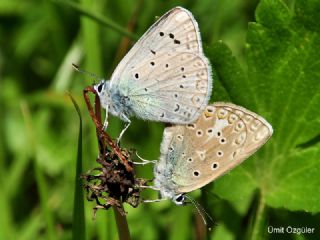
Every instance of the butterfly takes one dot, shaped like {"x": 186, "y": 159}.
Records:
{"x": 165, "y": 76}
{"x": 195, "y": 154}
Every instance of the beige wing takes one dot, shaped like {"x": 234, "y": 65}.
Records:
{"x": 223, "y": 137}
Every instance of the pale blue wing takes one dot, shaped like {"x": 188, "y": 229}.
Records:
{"x": 165, "y": 75}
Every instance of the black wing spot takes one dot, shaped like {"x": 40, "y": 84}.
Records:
{"x": 152, "y": 63}
{"x": 182, "y": 69}
{"x": 196, "y": 173}
{"x": 161, "y": 34}
{"x": 171, "y": 35}
{"x": 181, "y": 86}
{"x": 167, "y": 65}
{"x": 199, "y": 133}
{"x": 176, "y": 41}
{"x": 146, "y": 89}
{"x": 177, "y": 108}
{"x": 215, "y": 166}
{"x": 153, "y": 52}
{"x": 184, "y": 76}
{"x": 136, "y": 75}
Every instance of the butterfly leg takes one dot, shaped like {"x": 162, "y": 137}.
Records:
{"x": 155, "y": 200}
{"x": 105, "y": 124}
{"x": 144, "y": 161}
{"x": 150, "y": 187}
{"x": 128, "y": 122}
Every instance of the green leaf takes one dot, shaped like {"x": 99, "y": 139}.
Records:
{"x": 281, "y": 82}
{"x": 78, "y": 207}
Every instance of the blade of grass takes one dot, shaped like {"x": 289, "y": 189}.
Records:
{"x": 98, "y": 18}
{"x": 40, "y": 178}
{"x": 31, "y": 227}
{"x": 78, "y": 229}
{"x": 6, "y": 225}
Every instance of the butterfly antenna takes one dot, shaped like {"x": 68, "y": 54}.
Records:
{"x": 201, "y": 210}
{"x": 92, "y": 75}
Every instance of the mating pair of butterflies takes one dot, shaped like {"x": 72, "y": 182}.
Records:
{"x": 166, "y": 77}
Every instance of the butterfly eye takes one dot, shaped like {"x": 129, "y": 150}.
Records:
{"x": 100, "y": 87}
{"x": 179, "y": 199}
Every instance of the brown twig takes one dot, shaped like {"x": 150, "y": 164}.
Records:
{"x": 111, "y": 172}
{"x": 99, "y": 125}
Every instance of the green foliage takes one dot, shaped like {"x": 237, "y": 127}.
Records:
{"x": 78, "y": 205}
{"x": 267, "y": 61}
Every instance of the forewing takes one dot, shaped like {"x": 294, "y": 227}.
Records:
{"x": 223, "y": 137}
{"x": 177, "y": 24}
{"x": 165, "y": 69}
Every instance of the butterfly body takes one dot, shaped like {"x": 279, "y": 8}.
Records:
{"x": 195, "y": 154}
{"x": 165, "y": 77}
{"x": 117, "y": 103}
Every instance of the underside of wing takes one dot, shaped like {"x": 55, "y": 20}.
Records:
{"x": 175, "y": 31}
{"x": 172, "y": 87}
{"x": 225, "y": 135}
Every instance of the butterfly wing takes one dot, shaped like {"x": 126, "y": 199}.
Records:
{"x": 165, "y": 75}
{"x": 223, "y": 137}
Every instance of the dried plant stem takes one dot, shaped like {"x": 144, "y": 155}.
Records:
{"x": 121, "y": 221}
{"x": 122, "y": 225}
{"x": 99, "y": 126}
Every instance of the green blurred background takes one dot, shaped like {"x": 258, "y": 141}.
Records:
{"x": 39, "y": 40}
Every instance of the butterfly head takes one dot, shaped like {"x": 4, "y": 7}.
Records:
{"x": 102, "y": 89}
